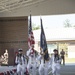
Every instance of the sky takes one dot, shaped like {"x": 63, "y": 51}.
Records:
{"x": 54, "y": 21}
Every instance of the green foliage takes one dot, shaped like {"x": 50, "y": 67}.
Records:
{"x": 63, "y": 46}
{"x": 35, "y": 27}
{"x": 74, "y": 26}
{"x": 67, "y": 23}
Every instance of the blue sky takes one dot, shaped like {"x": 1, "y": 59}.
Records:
{"x": 54, "y": 21}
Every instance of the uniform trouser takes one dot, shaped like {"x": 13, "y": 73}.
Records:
{"x": 63, "y": 59}
{"x": 21, "y": 69}
{"x": 32, "y": 69}
{"x": 43, "y": 70}
{"x": 56, "y": 70}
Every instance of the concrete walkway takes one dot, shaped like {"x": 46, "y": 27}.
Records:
{"x": 6, "y": 68}
{"x": 68, "y": 69}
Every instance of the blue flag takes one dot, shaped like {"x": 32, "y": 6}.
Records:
{"x": 43, "y": 43}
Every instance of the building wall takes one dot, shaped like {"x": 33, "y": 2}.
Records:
{"x": 67, "y": 45}
{"x": 13, "y": 35}
{"x": 71, "y": 50}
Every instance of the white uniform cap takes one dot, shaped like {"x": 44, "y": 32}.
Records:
{"x": 20, "y": 49}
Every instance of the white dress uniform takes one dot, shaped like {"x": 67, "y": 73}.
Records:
{"x": 43, "y": 68}
{"x": 55, "y": 64}
{"x": 31, "y": 67}
{"x": 21, "y": 64}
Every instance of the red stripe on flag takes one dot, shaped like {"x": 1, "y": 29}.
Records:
{"x": 31, "y": 41}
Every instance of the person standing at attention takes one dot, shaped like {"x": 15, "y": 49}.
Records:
{"x": 62, "y": 53}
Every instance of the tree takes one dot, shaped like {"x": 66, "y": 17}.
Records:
{"x": 74, "y": 26}
{"x": 35, "y": 27}
{"x": 67, "y": 23}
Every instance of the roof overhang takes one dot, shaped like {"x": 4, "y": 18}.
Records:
{"x": 36, "y": 7}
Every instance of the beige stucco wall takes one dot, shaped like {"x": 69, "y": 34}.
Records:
{"x": 13, "y": 35}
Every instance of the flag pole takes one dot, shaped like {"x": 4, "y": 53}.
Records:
{"x": 43, "y": 43}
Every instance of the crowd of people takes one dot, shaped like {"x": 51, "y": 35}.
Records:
{"x": 33, "y": 63}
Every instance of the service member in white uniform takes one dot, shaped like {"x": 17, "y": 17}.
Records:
{"x": 55, "y": 63}
{"x": 44, "y": 64}
{"x": 31, "y": 67}
{"x": 21, "y": 62}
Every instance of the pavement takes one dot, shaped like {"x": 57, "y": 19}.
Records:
{"x": 68, "y": 69}
{"x": 6, "y": 68}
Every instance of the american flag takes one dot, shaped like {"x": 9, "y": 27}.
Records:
{"x": 31, "y": 41}
{"x": 43, "y": 43}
